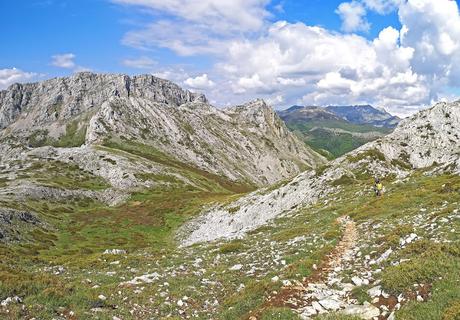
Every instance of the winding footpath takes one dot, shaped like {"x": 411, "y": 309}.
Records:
{"x": 324, "y": 291}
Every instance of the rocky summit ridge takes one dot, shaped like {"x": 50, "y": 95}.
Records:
{"x": 365, "y": 114}
{"x": 24, "y": 106}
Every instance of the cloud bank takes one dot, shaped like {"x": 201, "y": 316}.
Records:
{"x": 10, "y": 76}
{"x": 290, "y": 63}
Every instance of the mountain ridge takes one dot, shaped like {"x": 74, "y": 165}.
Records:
{"x": 72, "y": 118}
{"x": 365, "y": 114}
{"x": 66, "y": 97}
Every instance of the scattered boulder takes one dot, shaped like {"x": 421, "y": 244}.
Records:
{"x": 375, "y": 291}
{"x": 10, "y": 300}
{"x": 366, "y": 311}
{"x": 357, "y": 281}
{"x": 114, "y": 251}
{"x": 15, "y": 223}
{"x": 146, "y": 278}
{"x": 410, "y": 238}
{"x": 330, "y": 304}
{"x": 236, "y": 267}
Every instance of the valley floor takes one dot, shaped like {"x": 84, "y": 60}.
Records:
{"x": 399, "y": 257}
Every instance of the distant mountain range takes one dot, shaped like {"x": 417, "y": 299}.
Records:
{"x": 336, "y": 130}
{"x": 365, "y": 114}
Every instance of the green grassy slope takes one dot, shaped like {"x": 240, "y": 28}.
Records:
{"x": 144, "y": 227}
{"x": 76, "y": 232}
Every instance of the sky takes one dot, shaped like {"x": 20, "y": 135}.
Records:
{"x": 401, "y": 55}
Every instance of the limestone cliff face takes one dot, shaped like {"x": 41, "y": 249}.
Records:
{"x": 430, "y": 137}
{"x": 247, "y": 143}
{"x": 53, "y": 102}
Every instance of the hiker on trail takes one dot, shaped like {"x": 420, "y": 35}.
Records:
{"x": 378, "y": 187}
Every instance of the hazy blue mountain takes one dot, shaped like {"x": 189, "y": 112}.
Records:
{"x": 365, "y": 114}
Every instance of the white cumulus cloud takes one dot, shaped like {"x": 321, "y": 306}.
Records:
{"x": 223, "y": 16}
{"x": 65, "y": 60}
{"x": 179, "y": 36}
{"x": 140, "y": 63}
{"x": 314, "y": 66}
{"x": 196, "y": 26}
{"x": 433, "y": 30}
{"x": 353, "y": 15}
{"x": 382, "y": 6}
{"x": 200, "y": 82}
{"x": 13, "y": 75}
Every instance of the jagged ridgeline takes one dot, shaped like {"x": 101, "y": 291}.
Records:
{"x": 248, "y": 143}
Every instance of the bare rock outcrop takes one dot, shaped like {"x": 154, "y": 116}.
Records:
{"x": 15, "y": 223}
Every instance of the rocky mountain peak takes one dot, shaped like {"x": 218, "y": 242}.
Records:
{"x": 429, "y": 137}
{"x": 260, "y": 115}
{"x": 59, "y": 99}
{"x": 247, "y": 143}
{"x": 257, "y": 105}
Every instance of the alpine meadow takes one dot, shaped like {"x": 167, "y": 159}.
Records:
{"x": 230, "y": 160}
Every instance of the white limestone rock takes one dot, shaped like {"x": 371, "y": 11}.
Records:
{"x": 330, "y": 304}
{"x": 366, "y": 312}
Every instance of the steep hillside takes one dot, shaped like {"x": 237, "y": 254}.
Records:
{"x": 428, "y": 139}
{"x": 365, "y": 114}
{"x": 246, "y": 143}
{"x": 328, "y": 133}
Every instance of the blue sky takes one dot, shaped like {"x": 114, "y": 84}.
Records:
{"x": 93, "y": 30}
{"x": 288, "y": 52}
